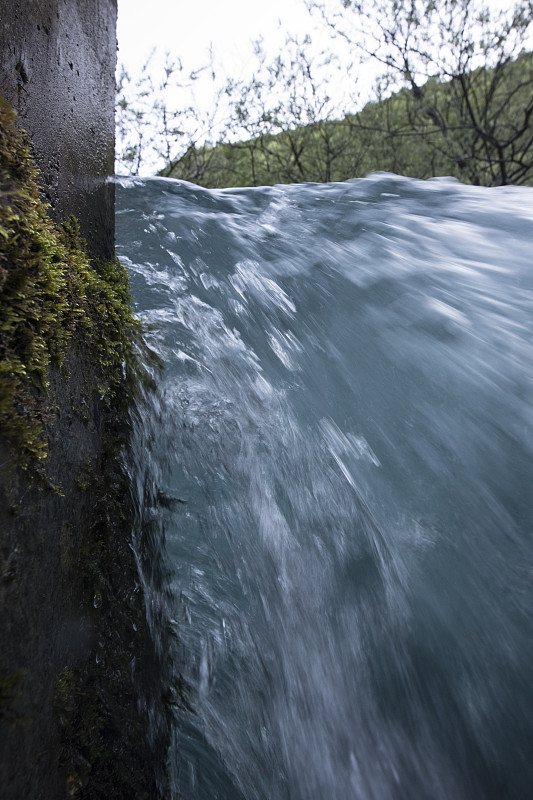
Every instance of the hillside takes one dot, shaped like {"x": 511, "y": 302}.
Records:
{"x": 476, "y": 127}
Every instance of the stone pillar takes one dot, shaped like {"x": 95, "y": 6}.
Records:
{"x": 57, "y": 67}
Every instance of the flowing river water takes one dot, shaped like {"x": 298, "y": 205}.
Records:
{"x": 342, "y": 443}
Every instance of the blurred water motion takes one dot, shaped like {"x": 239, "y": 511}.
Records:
{"x": 347, "y": 408}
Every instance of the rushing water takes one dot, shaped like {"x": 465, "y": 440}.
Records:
{"x": 344, "y": 438}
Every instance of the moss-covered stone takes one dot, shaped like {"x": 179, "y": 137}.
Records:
{"x": 111, "y": 701}
{"x": 77, "y": 663}
{"x": 10, "y": 686}
{"x": 49, "y": 291}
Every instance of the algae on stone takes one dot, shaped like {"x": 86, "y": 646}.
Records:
{"x": 49, "y": 290}
{"x": 68, "y": 337}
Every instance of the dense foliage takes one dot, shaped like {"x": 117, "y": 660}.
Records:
{"x": 477, "y": 127}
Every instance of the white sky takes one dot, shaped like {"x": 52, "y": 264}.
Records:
{"x": 188, "y": 27}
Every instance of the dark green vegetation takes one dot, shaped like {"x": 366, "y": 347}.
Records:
{"x": 49, "y": 292}
{"x": 83, "y": 712}
{"x": 476, "y": 126}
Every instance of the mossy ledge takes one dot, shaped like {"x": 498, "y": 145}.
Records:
{"x": 81, "y": 679}
{"x": 49, "y": 292}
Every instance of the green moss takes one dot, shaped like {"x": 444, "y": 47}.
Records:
{"x": 60, "y": 308}
{"x": 64, "y": 688}
{"x": 49, "y": 290}
{"x": 101, "y": 697}
{"x": 10, "y": 690}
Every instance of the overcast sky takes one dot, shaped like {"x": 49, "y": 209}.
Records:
{"x": 188, "y": 27}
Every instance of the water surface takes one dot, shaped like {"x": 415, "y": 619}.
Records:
{"x": 344, "y": 430}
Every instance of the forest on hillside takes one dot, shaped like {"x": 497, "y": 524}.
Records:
{"x": 435, "y": 133}
{"x": 453, "y": 97}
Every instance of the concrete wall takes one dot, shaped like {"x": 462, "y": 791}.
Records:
{"x": 42, "y": 625}
{"x": 72, "y": 620}
{"x": 57, "y": 64}
{"x": 82, "y": 698}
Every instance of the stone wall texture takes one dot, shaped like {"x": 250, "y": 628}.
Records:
{"x": 67, "y": 729}
{"x": 57, "y": 68}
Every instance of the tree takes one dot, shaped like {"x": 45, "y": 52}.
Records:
{"x": 468, "y": 104}
{"x": 453, "y": 96}
{"x": 158, "y": 119}
{"x": 284, "y": 124}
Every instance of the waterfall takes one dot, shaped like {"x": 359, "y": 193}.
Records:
{"x": 343, "y": 445}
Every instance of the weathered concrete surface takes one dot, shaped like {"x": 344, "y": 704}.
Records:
{"x": 57, "y": 68}
{"x": 72, "y": 618}
{"x": 42, "y": 628}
